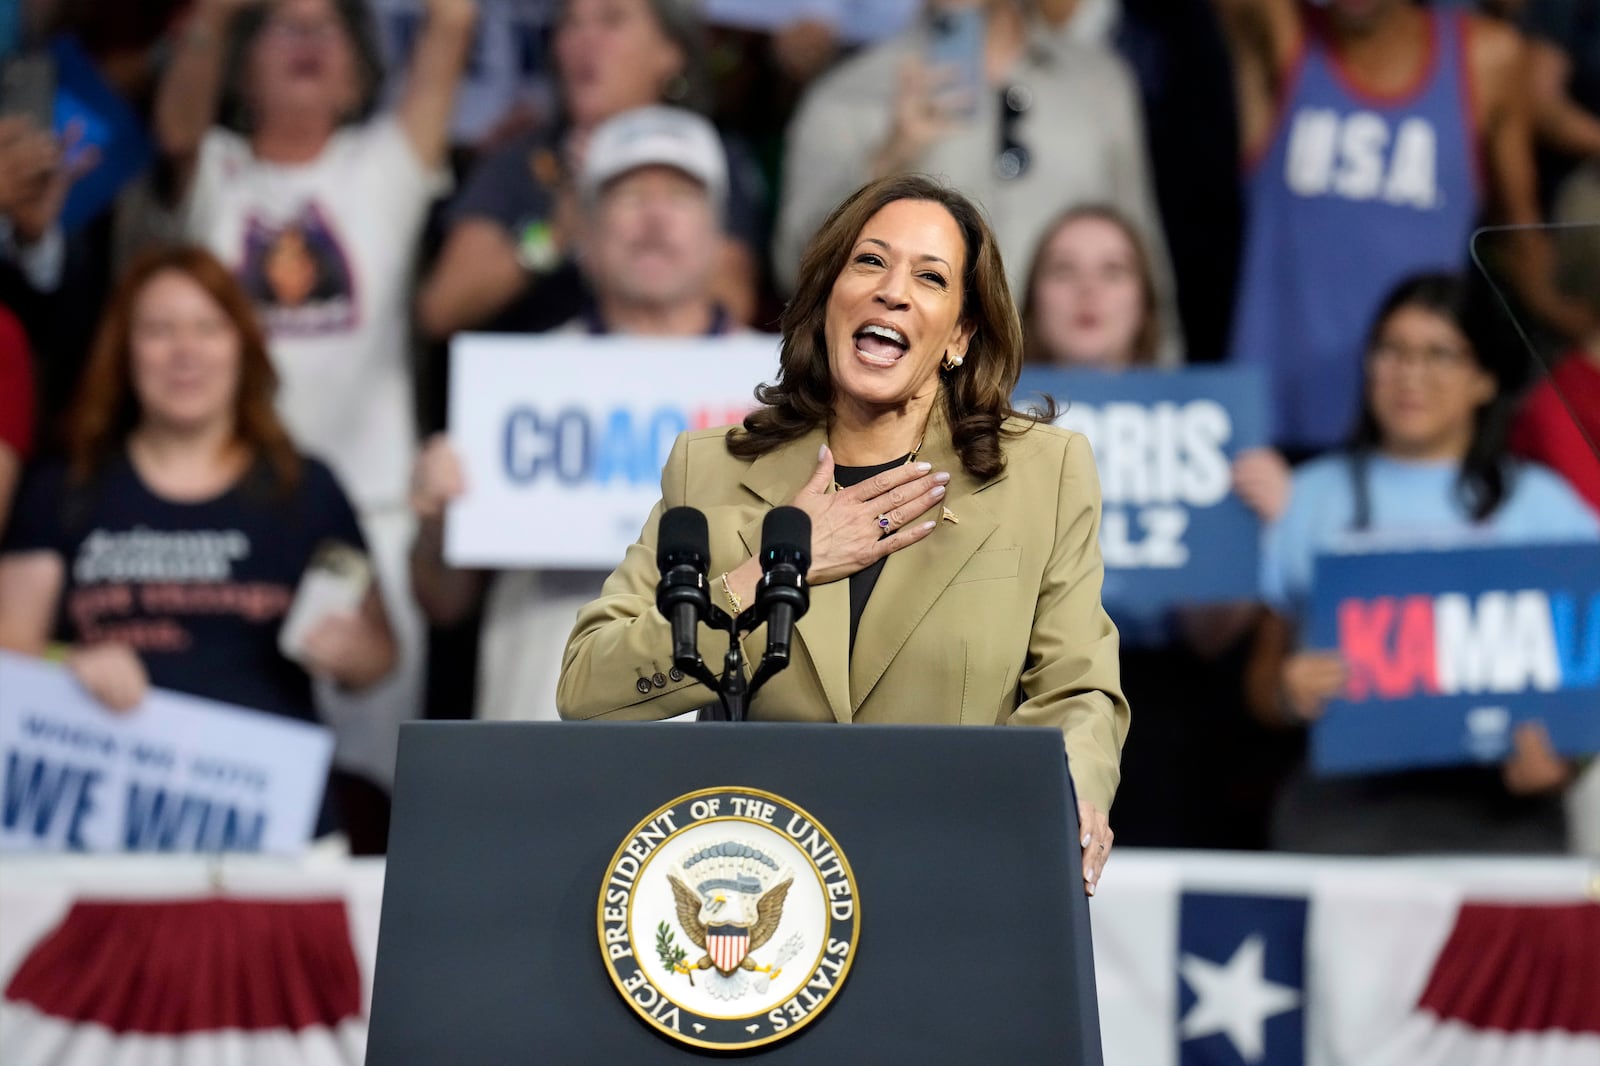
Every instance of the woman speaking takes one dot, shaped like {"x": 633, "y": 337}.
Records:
{"x": 955, "y": 566}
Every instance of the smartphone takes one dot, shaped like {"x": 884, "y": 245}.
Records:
{"x": 28, "y": 88}
{"x": 955, "y": 55}
{"x": 337, "y": 579}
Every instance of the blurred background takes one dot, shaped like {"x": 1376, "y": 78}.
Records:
{"x": 237, "y": 238}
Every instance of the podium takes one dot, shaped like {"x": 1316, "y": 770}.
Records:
{"x": 971, "y": 927}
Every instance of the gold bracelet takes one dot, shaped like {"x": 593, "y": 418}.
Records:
{"x": 727, "y": 590}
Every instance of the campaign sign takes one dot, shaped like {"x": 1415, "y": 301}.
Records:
{"x": 1171, "y": 530}
{"x": 179, "y": 773}
{"x": 562, "y": 438}
{"x": 1448, "y": 650}
{"x": 105, "y": 122}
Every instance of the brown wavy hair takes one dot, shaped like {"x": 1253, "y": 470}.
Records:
{"x": 1147, "y": 341}
{"x": 107, "y": 409}
{"x": 976, "y": 395}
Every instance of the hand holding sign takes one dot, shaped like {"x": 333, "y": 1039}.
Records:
{"x": 437, "y": 479}
{"x": 1534, "y": 767}
{"x": 1262, "y": 479}
{"x": 112, "y": 674}
{"x": 1310, "y": 680}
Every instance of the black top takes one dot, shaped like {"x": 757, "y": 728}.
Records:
{"x": 198, "y": 589}
{"x": 862, "y": 581}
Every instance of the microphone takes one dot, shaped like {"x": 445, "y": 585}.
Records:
{"x": 781, "y": 594}
{"x": 683, "y": 552}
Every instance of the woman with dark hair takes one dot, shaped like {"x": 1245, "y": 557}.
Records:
{"x": 1426, "y": 468}
{"x": 1091, "y": 295}
{"x": 323, "y": 199}
{"x": 955, "y": 574}
{"x": 508, "y": 259}
{"x": 167, "y": 547}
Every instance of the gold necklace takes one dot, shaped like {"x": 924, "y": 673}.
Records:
{"x": 909, "y": 460}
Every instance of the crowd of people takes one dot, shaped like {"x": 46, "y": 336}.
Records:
{"x": 227, "y": 292}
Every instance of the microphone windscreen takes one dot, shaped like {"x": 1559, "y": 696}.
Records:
{"x": 787, "y": 530}
{"x": 683, "y": 537}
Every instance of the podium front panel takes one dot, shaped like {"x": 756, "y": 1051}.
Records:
{"x": 973, "y": 927}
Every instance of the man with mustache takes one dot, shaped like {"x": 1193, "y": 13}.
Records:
{"x": 653, "y": 189}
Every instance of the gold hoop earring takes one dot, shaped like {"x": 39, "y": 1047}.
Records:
{"x": 950, "y": 362}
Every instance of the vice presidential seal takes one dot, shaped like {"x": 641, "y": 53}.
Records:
{"x": 728, "y": 918}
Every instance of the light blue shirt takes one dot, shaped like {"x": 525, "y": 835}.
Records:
{"x": 1412, "y": 506}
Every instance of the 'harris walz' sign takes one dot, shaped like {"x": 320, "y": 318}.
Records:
{"x": 1447, "y": 651}
{"x": 1171, "y": 530}
{"x": 177, "y": 774}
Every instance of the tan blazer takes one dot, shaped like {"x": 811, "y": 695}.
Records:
{"x": 992, "y": 619}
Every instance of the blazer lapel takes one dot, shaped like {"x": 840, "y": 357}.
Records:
{"x": 824, "y": 630}
{"x": 914, "y": 578}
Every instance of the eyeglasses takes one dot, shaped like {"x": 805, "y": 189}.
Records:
{"x": 1433, "y": 358}
{"x": 1014, "y": 157}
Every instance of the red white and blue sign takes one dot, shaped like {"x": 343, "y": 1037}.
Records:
{"x": 1171, "y": 529}
{"x": 1447, "y": 651}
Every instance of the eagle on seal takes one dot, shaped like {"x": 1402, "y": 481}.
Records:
{"x": 723, "y": 924}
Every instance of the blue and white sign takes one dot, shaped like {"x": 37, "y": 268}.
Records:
{"x": 178, "y": 773}
{"x": 562, "y": 438}
{"x": 1171, "y": 531}
{"x": 1447, "y": 651}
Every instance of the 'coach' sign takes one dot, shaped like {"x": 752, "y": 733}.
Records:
{"x": 563, "y": 437}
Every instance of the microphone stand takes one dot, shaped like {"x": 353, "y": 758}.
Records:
{"x": 733, "y": 691}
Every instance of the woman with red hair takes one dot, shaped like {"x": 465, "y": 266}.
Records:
{"x": 166, "y": 548}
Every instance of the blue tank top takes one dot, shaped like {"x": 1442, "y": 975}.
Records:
{"x": 1354, "y": 193}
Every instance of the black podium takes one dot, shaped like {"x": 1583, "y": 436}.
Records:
{"x": 973, "y": 943}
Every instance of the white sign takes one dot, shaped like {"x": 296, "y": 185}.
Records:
{"x": 562, "y": 438}
{"x": 180, "y": 773}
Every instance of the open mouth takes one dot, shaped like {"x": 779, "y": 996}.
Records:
{"x": 880, "y": 345}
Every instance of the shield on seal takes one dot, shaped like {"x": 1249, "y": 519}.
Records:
{"x": 727, "y": 945}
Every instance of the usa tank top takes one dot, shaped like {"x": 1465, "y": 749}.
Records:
{"x": 1355, "y": 192}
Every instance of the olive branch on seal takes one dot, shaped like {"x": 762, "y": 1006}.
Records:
{"x": 670, "y": 953}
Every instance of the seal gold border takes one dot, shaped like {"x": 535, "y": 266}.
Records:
{"x": 643, "y": 1012}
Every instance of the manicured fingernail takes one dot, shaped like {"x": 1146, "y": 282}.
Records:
{"x": 924, "y": 467}
{"x": 938, "y": 490}
{"x": 941, "y": 477}
{"x": 1090, "y": 888}
{"x": 1084, "y": 842}
{"x": 928, "y": 525}
{"x": 822, "y": 453}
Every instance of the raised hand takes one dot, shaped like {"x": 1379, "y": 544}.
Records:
{"x": 925, "y": 110}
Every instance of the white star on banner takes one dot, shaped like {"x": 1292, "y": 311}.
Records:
{"x": 1235, "y": 998}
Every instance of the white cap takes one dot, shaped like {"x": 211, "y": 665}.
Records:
{"x": 656, "y": 136}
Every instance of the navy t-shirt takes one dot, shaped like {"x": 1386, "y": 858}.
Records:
{"x": 513, "y": 187}
{"x": 200, "y": 589}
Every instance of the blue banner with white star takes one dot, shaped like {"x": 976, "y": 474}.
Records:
{"x": 1242, "y": 976}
